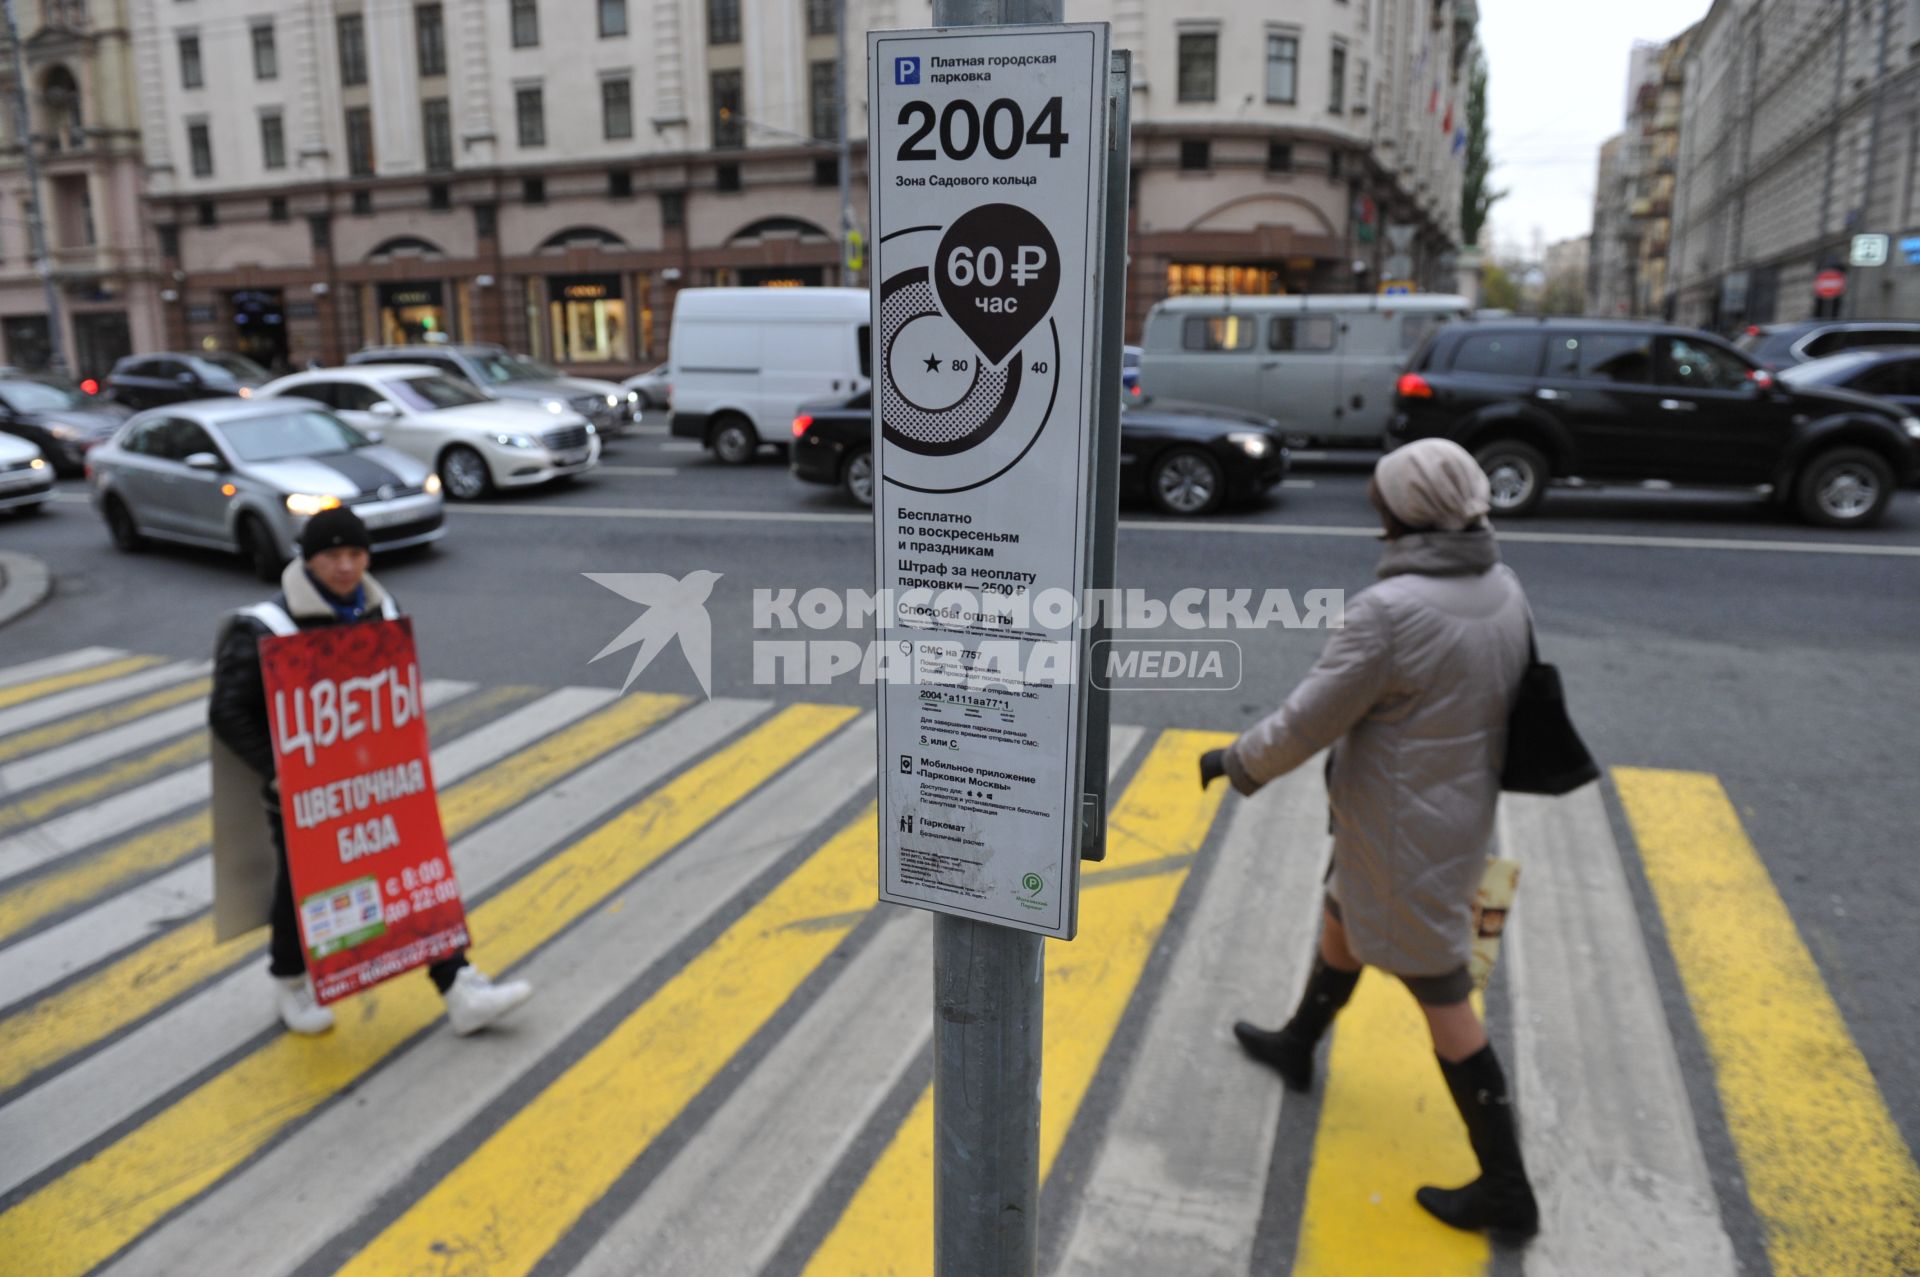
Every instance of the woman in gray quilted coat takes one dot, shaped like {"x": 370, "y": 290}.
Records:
{"x": 1412, "y": 697}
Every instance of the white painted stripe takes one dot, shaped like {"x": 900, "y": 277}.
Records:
{"x": 127, "y": 810}
{"x": 794, "y": 1115}
{"x": 305, "y": 1190}
{"x": 1298, "y": 483}
{"x": 682, "y": 445}
{"x": 77, "y": 699}
{"x": 1178, "y": 1184}
{"x": 29, "y": 966}
{"x": 1609, "y": 1134}
{"x": 81, "y": 1103}
{"x": 638, "y": 471}
{"x": 91, "y": 751}
{"x": 64, "y": 663}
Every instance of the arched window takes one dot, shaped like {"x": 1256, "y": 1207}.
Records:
{"x": 65, "y": 122}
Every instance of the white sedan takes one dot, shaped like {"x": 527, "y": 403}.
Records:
{"x": 654, "y": 386}
{"x": 474, "y": 442}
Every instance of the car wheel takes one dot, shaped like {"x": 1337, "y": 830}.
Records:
{"x": 121, "y": 527}
{"x": 1517, "y": 475}
{"x": 258, "y": 549}
{"x": 464, "y": 474}
{"x": 857, "y": 478}
{"x": 1845, "y": 488}
{"x": 1187, "y": 482}
{"x": 734, "y": 440}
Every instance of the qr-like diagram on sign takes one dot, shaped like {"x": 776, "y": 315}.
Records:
{"x": 991, "y": 391}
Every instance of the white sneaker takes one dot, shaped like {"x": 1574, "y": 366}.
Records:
{"x": 474, "y": 1001}
{"x": 298, "y": 1011}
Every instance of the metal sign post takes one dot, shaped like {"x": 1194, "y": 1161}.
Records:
{"x": 993, "y": 254}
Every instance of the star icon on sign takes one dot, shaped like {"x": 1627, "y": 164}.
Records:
{"x": 933, "y": 363}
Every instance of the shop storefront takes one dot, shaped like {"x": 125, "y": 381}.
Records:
{"x": 29, "y": 340}
{"x": 587, "y": 320}
{"x": 1215, "y": 279}
{"x": 260, "y": 326}
{"x": 412, "y": 312}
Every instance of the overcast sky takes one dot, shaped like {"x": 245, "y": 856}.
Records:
{"x": 1556, "y": 89}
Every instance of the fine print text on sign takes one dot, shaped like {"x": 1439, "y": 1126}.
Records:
{"x": 372, "y": 883}
{"x": 989, "y": 165}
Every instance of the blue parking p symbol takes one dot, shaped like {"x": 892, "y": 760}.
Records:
{"x": 906, "y": 70}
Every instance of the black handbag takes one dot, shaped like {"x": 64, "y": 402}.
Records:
{"x": 1545, "y": 755}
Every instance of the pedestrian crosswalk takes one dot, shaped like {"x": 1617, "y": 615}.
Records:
{"x": 728, "y": 1067}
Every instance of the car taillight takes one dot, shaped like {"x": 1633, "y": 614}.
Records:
{"x": 1412, "y": 386}
{"x": 1753, "y": 330}
{"x": 91, "y": 386}
{"x": 1761, "y": 378}
{"x": 800, "y": 425}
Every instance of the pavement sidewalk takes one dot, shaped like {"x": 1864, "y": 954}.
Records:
{"x": 24, "y": 582}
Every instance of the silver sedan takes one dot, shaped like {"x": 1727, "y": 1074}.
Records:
{"x": 245, "y": 476}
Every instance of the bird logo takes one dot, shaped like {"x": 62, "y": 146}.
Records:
{"x": 675, "y": 609}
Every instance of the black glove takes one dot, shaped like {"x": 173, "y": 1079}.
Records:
{"x": 1213, "y": 765}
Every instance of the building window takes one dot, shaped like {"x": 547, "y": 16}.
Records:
{"x": 726, "y": 177}
{"x": 1283, "y": 68}
{"x": 360, "y": 141}
{"x": 1337, "y": 80}
{"x": 826, "y": 172}
{"x": 363, "y": 203}
{"x": 277, "y": 209}
{"x": 200, "y": 147}
{"x": 266, "y": 57}
{"x": 728, "y": 128}
{"x": 1362, "y": 75}
{"x": 673, "y": 209}
{"x": 530, "y": 115}
{"x": 1336, "y": 165}
{"x": 439, "y": 196}
{"x": 526, "y": 24}
{"x": 352, "y": 35}
{"x": 1199, "y": 65}
{"x": 823, "y": 99}
{"x": 616, "y": 108}
{"x": 1196, "y": 155}
{"x": 1279, "y": 157}
{"x": 823, "y": 17}
{"x": 191, "y": 74}
{"x": 613, "y": 18}
{"x": 436, "y": 120}
{"x": 723, "y": 21}
{"x": 620, "y": 184}
{"x": 209, "y": 213}
{"x": 273, "y": 142}
{"x": 486, "y": 220}
{"x": 533, "y": 190}
{"x": 430, "y": 39}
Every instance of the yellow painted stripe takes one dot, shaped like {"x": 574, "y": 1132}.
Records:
{"x": 520, "y": 1192}
{"x": 51, "y": 894}
{"x": 46, "y": 737}
{"x": 42, "y": 804}
{"x": 22, "y": 692}
{"x": 131, "y": 987}
{"x": 1159, "y": 823}
{"x": 75, "y": 1222}
{"x": 1387, "y": 1126}
{"x": 1825, "y": 1165}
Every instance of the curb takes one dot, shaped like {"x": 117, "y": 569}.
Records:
{"x": 24, "y": 583}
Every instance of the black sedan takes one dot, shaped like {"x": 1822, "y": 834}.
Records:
{"x": 1183, "y": 458}
{"x": 59, "y": 417}
{"x": 1886, "y": 372}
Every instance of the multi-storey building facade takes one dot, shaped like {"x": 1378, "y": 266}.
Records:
{"x": 1633, "y": 197}
{"x": 548, "y": 173}
{"x": 1612, "y": 248}
{"x": 84, "y": 125}
{"x": 1800, "y": 127}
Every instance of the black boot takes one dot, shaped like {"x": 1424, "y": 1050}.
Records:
{"x": 1501, "y": 1200}
{"x": 1289, "y": 1051}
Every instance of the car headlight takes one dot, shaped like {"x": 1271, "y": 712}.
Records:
{"x": 1255, "y": 446}
{"x": 310, "y": 503}
{"x": 613, "y": 401}
{"x": 1913, "y": 426}
{"x": 633, "y": 398}
{"x": 555, "y": 406}
{"x": 591, "y": 430}
{"x": 38, "y": 463}
{"x": 515, "y": 441}
{"x": 432, "y": 485}
{"x": 63, "y": 433}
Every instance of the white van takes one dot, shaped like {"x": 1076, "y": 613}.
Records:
{"x": 744, "y": 359}
{"x": 1324, "y": 366}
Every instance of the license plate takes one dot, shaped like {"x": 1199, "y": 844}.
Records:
{"x": 573, "y": 458}
{"x": 19, "y": 479}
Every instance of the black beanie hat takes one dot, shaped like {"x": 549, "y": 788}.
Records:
{"x": 331, "y": 529}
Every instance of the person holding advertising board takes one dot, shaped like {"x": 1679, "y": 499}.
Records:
{"x": 316, "y": 714}
{"x": 1412, "y": 697}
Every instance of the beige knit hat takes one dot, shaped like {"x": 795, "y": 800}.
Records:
{"x": 1433, "y": 483}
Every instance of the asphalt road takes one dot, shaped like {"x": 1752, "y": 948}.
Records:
{"x": 1701, "y": 632}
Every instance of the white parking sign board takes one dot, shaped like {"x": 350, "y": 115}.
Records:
{"x": 987, "y": 169}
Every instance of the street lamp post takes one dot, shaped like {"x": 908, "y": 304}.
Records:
{"x": 847, "y": 273}
{"x": 36, "y": 219}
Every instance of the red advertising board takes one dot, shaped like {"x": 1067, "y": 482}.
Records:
{"x": 373, "y": 885}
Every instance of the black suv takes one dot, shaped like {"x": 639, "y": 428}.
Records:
{"x": 1779, "y": 346}
{"x": 1536, "y": 400}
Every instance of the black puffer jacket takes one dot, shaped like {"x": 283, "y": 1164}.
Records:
{"x": 237, "y": 706}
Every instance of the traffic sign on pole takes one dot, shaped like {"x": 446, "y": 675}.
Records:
{"x": 1868, "y": 250}
{"x": 1829, "y": 284}
{"x": 989, "y": 161}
